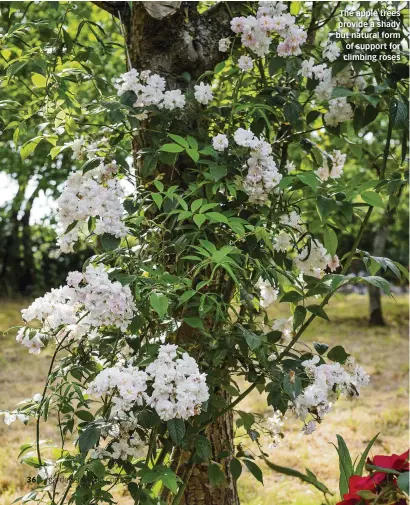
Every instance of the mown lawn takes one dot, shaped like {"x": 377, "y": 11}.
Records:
{"x": 383, "y": 406}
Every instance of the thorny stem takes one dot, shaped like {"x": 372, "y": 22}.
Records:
{"x": 185, "y": 479}
{"x": 43, "y": 398}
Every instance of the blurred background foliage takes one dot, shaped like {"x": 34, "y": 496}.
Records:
{"x": 87, "y": 53}
{"x": 83, "y": 46}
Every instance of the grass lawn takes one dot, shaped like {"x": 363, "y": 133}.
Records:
{"x": 382, "y": 407}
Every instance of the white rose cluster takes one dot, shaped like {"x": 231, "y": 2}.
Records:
{"x": 275, "y": 427}
{"x": 331, "y": 51}
{"x": 263, "y": 175}
{"x": 150, "y": 90}
{"x": 203, "y": 93}
{"x": 178, "y": 388}
{"x": 121, "y": 448}
{"x": 268, "y": 293}
{"x": 88, "y": 301}
{"x": 220, "y": 142}
{"x": 338, "y": 161}
{"x": 285, "y": 326}
{"x": 130, "y": 383}
{"x": 328, "y": 382}
{"x": 340, "y": 110}
{"x": 314, "y": 260}
{"x": 256, "y": 32}
{"x": 87, "y": 195}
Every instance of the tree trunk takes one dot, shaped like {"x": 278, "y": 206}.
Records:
{"x": 179, "y": 39}
{"x": 199, "y": 491}
{"x": 379, "y": 246}
{"x": 27, "y": 278}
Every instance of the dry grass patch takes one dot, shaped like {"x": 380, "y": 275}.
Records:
{"x": 382, "y": 408}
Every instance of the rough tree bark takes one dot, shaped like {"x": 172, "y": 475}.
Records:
{"x": 170, "y": 38}
{"x": 379, "y": 247}
{"x": 375, "y": 302}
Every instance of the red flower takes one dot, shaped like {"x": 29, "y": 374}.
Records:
{"x": 393, "y": 462}
{"x": 357, "y": 483}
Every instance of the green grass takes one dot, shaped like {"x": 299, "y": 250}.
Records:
{"x": 382, "y": 407}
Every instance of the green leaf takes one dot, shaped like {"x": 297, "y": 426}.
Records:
{"x": 381, "y": 469}
{"x": 15, "y": 67}
{"x": 176, "y": 429}
{"x": 367, "y": 495}
{"x": 157, "y": 199}
{"x": 109, "y": 242}
{"x": 29, "y": 147}
{"x": 294, "y": 8}
{"x": 254, "y": 469}
{"x": 208, "y": 206}
{"x": 341, "y": 92}
{"x": 38, "y": 80}
{"x": 196, "y": 204}
{"x": 217, "y": 216}
{"x": 325, "y": 206}
{"x": 399, "y": 114}
{"x": 193, "y": 144}
{"x": 84, "y": 415}
{"x": 149, "y": 165}
{"x": 179, "y": 140}
{"x": 89, "y": 164}
{"x": 292, "y": 297}
{"x": 194, "y": 322}
{"x": 88, "y": 438}
{"x": 331, "y": 242}
{"x": 235, "y": 468}
{"x": 320, "y": 348}
{"x": 219, "y": 67}
{"x": 159, "y": 185}
{"x": 345, "y": 465}
{"x": 338, "y": 354}
{"x": 172, "y": 148}
{"x": 317, "y": 311}
{"x": 360, "y": 465}
{"x": 159, "y": 302}
{"x": 217, "y": 172}
{"x": 299, "y": 316}
{"x": 310, "y": 478}
{"x": 199, "y": 219}
{"x": 169, "y": 479}
{"x": 291, "y": 112}
{"x": 403, "y": 482}
{"x": 292, "y": 388}
{"x": 372, "y": 198}
{"x": 192, "y": 153}
{"x": 310, "y": 179}
{"x": 186, "y": 296}
{"x": 54, "y": 151}
{"x": 203, "y": 447}
{"x": 253, "y": 340}
{"x": 184, "y": 215}
{"x": 215, "y": 475}
{"x": 97, "y": 468}
{"x": 312, "y": 115}
{"x": 377, "y": 281}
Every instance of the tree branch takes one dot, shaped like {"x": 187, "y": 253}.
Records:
{"x": 115, "y": 8}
